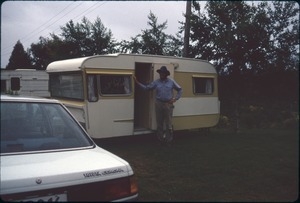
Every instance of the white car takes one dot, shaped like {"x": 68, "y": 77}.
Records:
{"x": 47, "y": 156}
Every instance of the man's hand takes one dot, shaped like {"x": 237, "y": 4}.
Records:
{"x": 135, "y": 79}
{"x": 173, "y": 100}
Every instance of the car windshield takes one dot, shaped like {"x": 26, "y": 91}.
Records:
{"x": 27, "y": 127}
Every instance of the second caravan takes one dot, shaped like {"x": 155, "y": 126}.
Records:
{"x": 101, "y": 94}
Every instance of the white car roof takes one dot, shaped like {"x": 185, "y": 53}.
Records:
{"x": 23, "y": 98}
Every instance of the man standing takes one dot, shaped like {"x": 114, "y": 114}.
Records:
{"x": 164, "y": 103}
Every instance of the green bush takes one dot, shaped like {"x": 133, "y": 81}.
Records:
{"x": 259, "y": 114}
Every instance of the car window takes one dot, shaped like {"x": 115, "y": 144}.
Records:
{"x": 39, "y": 126}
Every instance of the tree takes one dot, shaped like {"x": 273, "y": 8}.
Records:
{"x": 174, "y": 46}
{"x": 88, "y": 39}
{"x": 246, "y": 39}
{"x": 251, "y": 47}
{"x": 284, "y": 35}
{"x": 103, "y": 41}
{"x": 19, "y": 58}
{"x": 221, "y": 35}
{"x": 133, "y": 46}
{"x": 76, "y": 40}
{"x": 48, "y": 50}
{"x": 153, "y": 40}
{"x": 258, "y": 36}
{"x": 200, "y": 34}
{"x": 40, "y": 54}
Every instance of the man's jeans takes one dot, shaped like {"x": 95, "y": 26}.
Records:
{"x": 164, "y": 113}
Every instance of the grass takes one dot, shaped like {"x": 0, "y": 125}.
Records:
{"x": 253, "y": 165}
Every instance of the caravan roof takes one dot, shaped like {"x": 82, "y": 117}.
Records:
{"x": 127, "y": 61}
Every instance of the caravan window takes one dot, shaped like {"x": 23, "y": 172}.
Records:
{"x": 203, "y": 85}
{"x": 67, "y": 85}
{"x": 115, "y": 84}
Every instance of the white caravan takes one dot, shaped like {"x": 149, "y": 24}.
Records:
{"x": 101, "y": 93}
{"x": 25, "y": 81}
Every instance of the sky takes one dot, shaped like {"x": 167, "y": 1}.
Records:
{"x": 28, "y": 20}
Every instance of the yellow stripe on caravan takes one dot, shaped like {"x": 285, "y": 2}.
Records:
{"x": 203, "y": 76}
{"x": 195, "y": 121}
{"x": 124, "y": 120}
{"x": 76, "y": 104}
{"x": 114, "y": 72}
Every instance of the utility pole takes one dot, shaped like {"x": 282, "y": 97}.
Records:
{"x": 187, "y": 28}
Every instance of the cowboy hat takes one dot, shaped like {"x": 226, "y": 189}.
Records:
{"x": 163, "y": 69}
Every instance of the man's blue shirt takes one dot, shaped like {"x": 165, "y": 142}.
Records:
{"x": 164, "y": 89}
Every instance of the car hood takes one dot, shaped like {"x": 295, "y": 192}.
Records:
{"x": 38, "y": 171}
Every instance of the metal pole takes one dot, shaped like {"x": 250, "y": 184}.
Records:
{"x": 187, "y": 29}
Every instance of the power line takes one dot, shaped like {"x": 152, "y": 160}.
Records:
{"x": 49, "y": 22}
{"x": 34, "y": 32}
{"x": 36, "y": 29}
{"x": 81, "y": 14}
{"x": 47, "y": 25}
{"x": 58, "y": 19}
